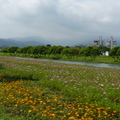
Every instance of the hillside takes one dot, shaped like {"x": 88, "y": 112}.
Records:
{"x": 22, "y": 42}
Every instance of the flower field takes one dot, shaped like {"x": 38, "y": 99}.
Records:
{"x": 42, "y": 90}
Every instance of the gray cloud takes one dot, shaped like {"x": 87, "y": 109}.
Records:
{"x": 60, "y": 20}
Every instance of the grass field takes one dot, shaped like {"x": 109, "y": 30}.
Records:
{"x": 42, "y": 90}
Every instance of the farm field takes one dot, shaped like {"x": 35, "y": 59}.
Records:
{"x": 42, "y": 90}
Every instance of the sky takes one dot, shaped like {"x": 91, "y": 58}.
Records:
{"x": 61, "y": 21}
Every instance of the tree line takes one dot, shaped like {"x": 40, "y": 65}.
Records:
{"x": 57, "y": 51}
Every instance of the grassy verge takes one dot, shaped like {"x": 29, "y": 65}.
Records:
{"x": 33, "y": 89}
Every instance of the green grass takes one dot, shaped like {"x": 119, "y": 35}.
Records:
{"x": 34, "y": 89}
{"x": 6, "y": 116}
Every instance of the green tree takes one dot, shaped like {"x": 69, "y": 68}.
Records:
{"x": 39, "y": 50}
{"x": 42, "y": 50}
{"x": 82, "y": 52}
{"x": 67, "y": 52}
{"x": 29, "y": 50}
{"x": 75, "y": 51}
{"x": 95, "y": 52}
{"x": 113, "y": 53}
{"x": 103, "y": 49}
{"x": 24, "y": 49}
{"x": 5, "y": 50}
{"x": 52, "y": 50}
{"x": 118, "y": 53}
{"x": 58, "y": 49}
{"x": 90, "y": 52}
{"x": 13, "y": 50}
{"x": 48, "y": 45}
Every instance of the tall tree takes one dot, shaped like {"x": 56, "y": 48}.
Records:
{"x": 113, "y": 53}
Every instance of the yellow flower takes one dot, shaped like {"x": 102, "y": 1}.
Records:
{"x": 52, "y": 114}
{"x": 72, "y": 118}
{"x": 104, "y": 112}
{"x": 36, "y": 110}
{"x": 45, "y": 111}
{"x": 16, "y": 105}
{"x": 61, "y": 111}
{"x": 108, "y": 108}
{"x": 68, "y": 113}
{"x": 29, "y": 111}
{"x": 99, "y": 115}
{"x": 76, "y": 113}
{"x": 85, "y": 114}
{"x": 44, "y": 103}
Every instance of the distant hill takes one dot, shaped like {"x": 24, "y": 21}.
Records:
{"x": 36, "y": 40}
{"x": 22, "y": 42}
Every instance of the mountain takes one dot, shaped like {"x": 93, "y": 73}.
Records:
{"x": 22, "y": 41}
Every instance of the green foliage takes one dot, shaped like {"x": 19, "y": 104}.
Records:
{"x": 75, "y": 51}
{"x": 59, "y": 52}
{"x": 13, "y": 49}
{"x": 114, "y": 53}
{"x": 103, "y": 49}
{"x": 5, "y": 50}
{"x": 25, "y": 49}
{"x": 92, "y": 52}
{"x": 118, "y": 53}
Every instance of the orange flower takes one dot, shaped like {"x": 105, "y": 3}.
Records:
{"x": 89, "y": 119}
{"x": 72, "y": 118}
{"x": 31, "y": 97}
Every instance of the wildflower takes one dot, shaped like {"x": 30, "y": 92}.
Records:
{"x": 101, "y": 85}
{"x": 108, "y": 115}
{"x": 29, "y": 111}
{"x": 76, "y": 113}
{"x": 16, "y": 105}
{"x": 99, "y": 115}
{"x": 31, "y": 97}
{"x": 68, "y": 113}
{"x": 104, "y": 112}
{"x": 72, "y": 118}
{"x": 61, "y": 111}
{"x": 52, "y": 114}
{"x": 104, "y": 92}
{"x": 62, "y": 118}
{"x": 89, "y": 118}
{"x": 114, "y": 111}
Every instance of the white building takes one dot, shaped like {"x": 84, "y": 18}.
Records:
{"x": 111, "y": 43}
{"x": 98, "y": 43}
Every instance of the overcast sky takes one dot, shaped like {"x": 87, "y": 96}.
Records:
{"x": 61, "y": 21}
